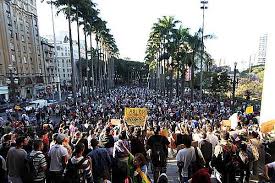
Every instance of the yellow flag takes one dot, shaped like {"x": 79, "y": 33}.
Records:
{"x": 249, "y": 110}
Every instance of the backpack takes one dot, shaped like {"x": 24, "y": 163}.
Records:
{"x": 206, "y": 149}
{"x": 196, "y": 165}
{"x": 158, "y": 154}
{"x": 253, "y": 150}
{"x": 30, "y": 171}
{"x": 73, "y": 174}
{"x": 227, "y": 160}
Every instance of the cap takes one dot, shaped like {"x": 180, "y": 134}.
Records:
{"x": 60, "y": 138}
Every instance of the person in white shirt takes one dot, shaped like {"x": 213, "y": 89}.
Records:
{"x": 58, "y": 159}
{"x": 212, "y": 138}
{"x": 185, "y": 157}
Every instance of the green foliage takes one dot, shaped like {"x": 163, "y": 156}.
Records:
{"x": 220, "y": 83}
{"x": 124, "y": 69}
{"x": 251, "y": 83}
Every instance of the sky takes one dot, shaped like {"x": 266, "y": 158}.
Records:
{"x": 236, "y": 24}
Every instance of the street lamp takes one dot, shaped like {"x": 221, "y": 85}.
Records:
{"x": 12, "y": 81}
{"x": 203, "y": 7}
{"x": 234, "y": 87}
{"x": 88, "y": 82}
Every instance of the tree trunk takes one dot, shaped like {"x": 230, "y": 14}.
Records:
{"x": 177, "y": 80}
{"x": 182, "y": 82}
{"x": 87, "y": 62}
{"x": 79, "y": 55}
{"x": 92, "y": 62}
{"x": 71, "y": 53}
{"x": 192, "y": 77}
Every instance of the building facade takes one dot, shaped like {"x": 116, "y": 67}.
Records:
{"x": 262, "y": 49}
{"x": 63, "y": 57}
{"x": 20, "y": 47}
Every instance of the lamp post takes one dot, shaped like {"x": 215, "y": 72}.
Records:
{"x": 12, "y": 81}
{"x": 234, "y": 87}
{"x": 203, "y": 7}
{"x": 88, "y": 82}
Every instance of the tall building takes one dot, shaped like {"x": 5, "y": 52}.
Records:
{"x": 63, "y": 57}
{"x": 262, "y": 49}
{"x": 20, "y": 48}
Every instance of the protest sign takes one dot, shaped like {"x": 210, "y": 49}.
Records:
{"x": 115, "y": 122}
{"x": 135, "y": 116}
{"x": 267, "y": 126}
{"x": 249, "y": 110}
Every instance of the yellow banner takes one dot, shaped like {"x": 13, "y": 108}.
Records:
{"x": 267, "y": 126}
{"x": 135, "y": 116}
{"x": 115, "y": 122}
{"x": 249, "y": 110}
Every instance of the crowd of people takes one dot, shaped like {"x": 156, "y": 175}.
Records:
{"x": 78, "y": 143}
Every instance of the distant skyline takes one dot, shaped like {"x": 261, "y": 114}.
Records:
{"x": 236, "y": 24}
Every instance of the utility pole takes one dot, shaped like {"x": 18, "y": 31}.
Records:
{"x": 234, "y": 87}
{"x": 57, "y": 80}
{"x": 203, "y": 7}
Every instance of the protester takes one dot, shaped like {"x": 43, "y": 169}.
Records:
{"x": 101, "y": 162}
{"x": 58, "y": 156}
{"x": 16, "y": 160}
{"x": 190, "y": 128}
{"x": 159, "y": 152}
{"x": 39, "y": 162}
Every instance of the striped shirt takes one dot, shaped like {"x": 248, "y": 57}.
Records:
{"x": 39, "y": 162}
{"x": 85, "y": 170}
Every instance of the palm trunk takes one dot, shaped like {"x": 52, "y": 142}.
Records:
{"x": 79, "y": 55}
{"x": 192, "y": 77}
{"x": 182, "y": 82}
{"x": 71, "y": 53}
{"x": 87, "y": 63}
{"x": 177, "y": 80}
{"x": 92, "y": 62}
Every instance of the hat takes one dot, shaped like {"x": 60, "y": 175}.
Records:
{"x": 60, "y": 138}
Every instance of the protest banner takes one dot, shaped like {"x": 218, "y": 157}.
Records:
{"x": 115, "y": 122}
{"x": 267, "y": 126}
{"x": 249, "y": 110}
{"x": 135, "y": 116}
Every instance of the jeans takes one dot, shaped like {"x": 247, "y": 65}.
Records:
{"x": 56, "y": 177}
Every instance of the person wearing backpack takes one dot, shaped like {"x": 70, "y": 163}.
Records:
{"x": 225, "y": 159}
{"x": 188, "y": 159}
{"x": 159, "y": 152}
{"x": 78, "y": 169}
{"x": 38, "y": 162}
{"x": 16, "y": 161}
{"x": 206, "y": 149}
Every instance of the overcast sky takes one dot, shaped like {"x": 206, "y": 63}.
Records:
{"x": 237, "y": 24}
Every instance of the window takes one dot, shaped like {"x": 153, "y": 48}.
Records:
{"x": 62, "y": 54}
{"x": 63, "y": 70}
{"x": 64, "y": 75}
{"x": 12, "y": 46}
{"x": 13, "y": 57}
{"x": 21, "y": 27}
{"x": 24, "y": 60}
{"x": 58, "y": 47}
